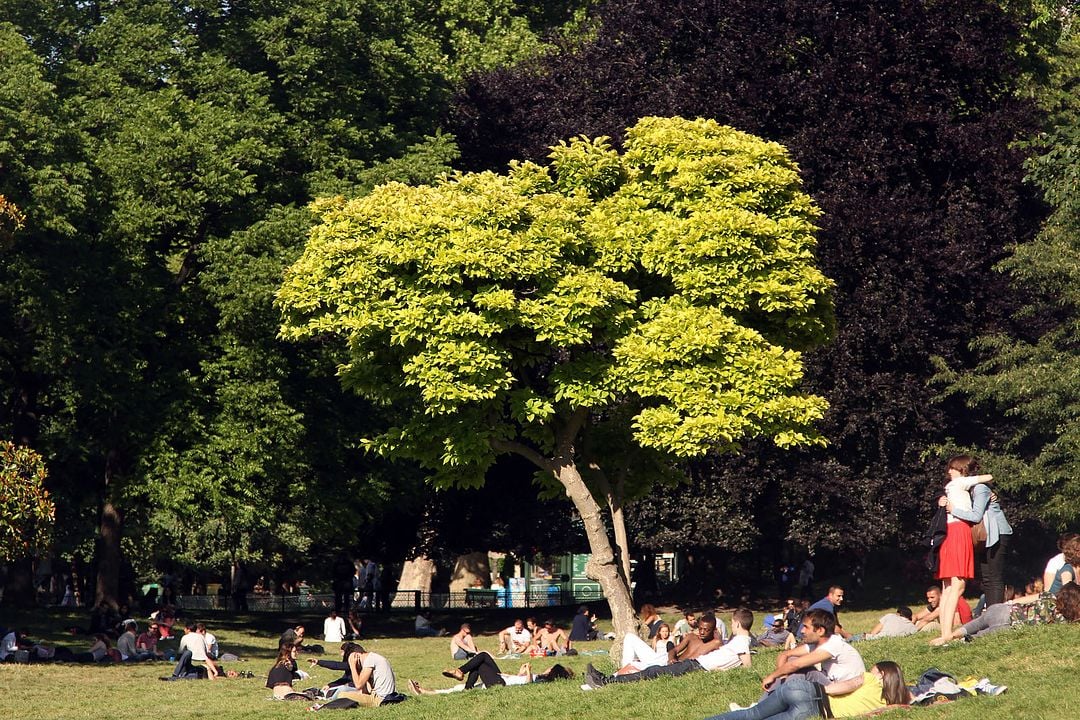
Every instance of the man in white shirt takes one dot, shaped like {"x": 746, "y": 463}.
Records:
{"x": 735, "y": 653}
{"x": 840, "y": 662}
{"x": 333, "y": 628}
{"x": 514, "y": 639}
{"x": 192, "y": 648}
{"x": 372, "y": 677}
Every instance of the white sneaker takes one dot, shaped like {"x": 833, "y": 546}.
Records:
{"x": 986, "y": 688}
{"x": 586, "y": 686}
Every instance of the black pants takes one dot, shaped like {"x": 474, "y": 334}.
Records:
{"x": 992, "y": 570}
{"x": 184, "y": 670}
{"x": 483, "y": 666}
{"x": 676, "y": 668}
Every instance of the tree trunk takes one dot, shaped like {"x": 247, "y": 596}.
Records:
{"x": 468, "y": 570}
{"x": 602, "y": 566}
{"x": 108, "y": 557}
{"x": 19, "y": 584}
{"x": 613, "y": 494}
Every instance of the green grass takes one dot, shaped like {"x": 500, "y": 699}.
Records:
{"x": 1039, "y": 665}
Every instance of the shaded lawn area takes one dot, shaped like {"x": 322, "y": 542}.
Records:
{"x": 1039, "y": 665}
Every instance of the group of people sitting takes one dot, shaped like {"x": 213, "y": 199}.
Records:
{"x": 367, "y": 679}
{"x": 126, "y": 644}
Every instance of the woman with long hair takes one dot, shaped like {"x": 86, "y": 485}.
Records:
{"x": 650, "y": 619}
{"x": 798, "y": 699}
{"x": 956, "y": 558}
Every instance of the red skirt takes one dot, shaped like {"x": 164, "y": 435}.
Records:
{"x": 957, "y": 556}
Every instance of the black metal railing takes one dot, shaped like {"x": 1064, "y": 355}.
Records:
{"x": 534, "y": 596}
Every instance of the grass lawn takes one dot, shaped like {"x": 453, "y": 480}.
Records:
{"x": 1039, "y": 665}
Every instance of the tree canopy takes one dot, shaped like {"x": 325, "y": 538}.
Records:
{"x": 903, "y": 117}
{"x": 665, "y": 288}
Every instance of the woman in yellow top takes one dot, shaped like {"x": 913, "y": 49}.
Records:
{"x": 799, "y": 699}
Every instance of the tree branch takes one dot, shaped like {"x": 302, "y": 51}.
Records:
{"x": 512, "y": 446}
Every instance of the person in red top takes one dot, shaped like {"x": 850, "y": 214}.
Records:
{"x": 930, "y": 613}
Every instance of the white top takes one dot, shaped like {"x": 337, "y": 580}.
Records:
{"x": 333, "y": 629}
{"x": 958, "y": 491}
{"x": 726, "y": 656}
{"x": 8, "y": 645}
{"x": 515, "y": 679}
{"x": 519, "y": 637}
{"x": 194, "y": 642}
{"x": 893, "y": 625}
{"x": 211, "y": 644}
{"x": 1054, "y": 564}
{"x": 382, "y": 675}
{"x": 845, "y": 661}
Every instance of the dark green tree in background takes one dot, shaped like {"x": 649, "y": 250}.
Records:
{"x": 903, "y": 117}
{"x": 163, "y": 155}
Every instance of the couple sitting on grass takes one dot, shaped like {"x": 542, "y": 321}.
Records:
{"x": 796, "y": 689}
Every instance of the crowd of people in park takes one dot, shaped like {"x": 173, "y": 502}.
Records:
{"x": 818, "y": 668}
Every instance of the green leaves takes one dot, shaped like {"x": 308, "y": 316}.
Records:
{"x": 664, "y": 279}
{"x": 26, "y": 511}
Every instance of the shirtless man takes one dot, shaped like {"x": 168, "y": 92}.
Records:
{"x": 699, "y": 651}
{"x": 549, "y": 638}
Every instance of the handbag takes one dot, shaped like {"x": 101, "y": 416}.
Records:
{"x": 978, "y": 533}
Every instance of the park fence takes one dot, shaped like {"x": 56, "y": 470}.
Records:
{"x": 535, "y": 595}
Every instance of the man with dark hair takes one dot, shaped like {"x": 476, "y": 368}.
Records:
{"x": 897, "y": 624}
{"x": 581, "y": 629}
{"x": 831, "y": 603}
{"x": 699, "y": 651}
{"x": 192, "y": 648}
{"x": 842, "y": 667}
{"x": 927, "y": 618}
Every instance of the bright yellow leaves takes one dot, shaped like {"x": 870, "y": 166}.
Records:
{"x": 671, "y": 280}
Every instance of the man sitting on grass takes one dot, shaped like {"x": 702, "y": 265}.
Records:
{"x": 192, "y": 648}
{"x": 704, "y": 653}
{"x": 549, "y": 639}
{"x": 927, "y": 618}
{"x": 839, "y": 661}
{"x": 514, "y": 639}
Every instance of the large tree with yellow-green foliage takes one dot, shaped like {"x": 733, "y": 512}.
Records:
{"x": 655, "y": 299}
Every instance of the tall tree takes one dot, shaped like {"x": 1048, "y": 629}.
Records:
{"x": 1031, "y": 378}
{"x": 663, "y": 290}
{"x": 141, "y": 349}
{"x": 903, "y": 118}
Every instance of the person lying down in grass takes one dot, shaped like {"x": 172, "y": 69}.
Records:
{"x": 1042, "y": 609}
{"x": 482, "y": 667}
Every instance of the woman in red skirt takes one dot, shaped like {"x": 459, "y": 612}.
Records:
{"x": 956, "y": 560}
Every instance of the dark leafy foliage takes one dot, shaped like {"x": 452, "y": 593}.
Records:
{"x": 902, "y": 116}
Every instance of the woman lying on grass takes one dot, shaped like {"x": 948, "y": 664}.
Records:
{"x": 797, "y": 698}
{"x": 1043, "y": 610}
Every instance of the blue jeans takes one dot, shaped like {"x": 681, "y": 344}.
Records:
{"x": 793, "y": 700}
